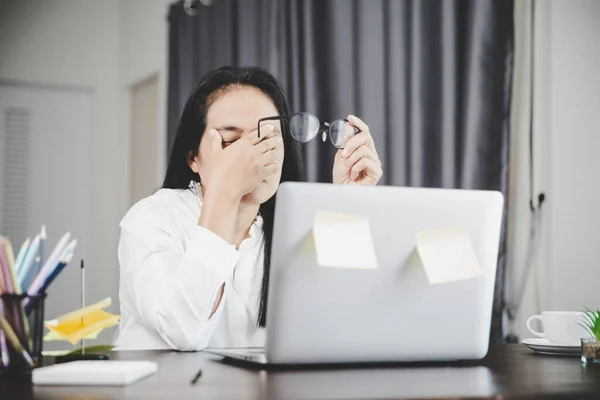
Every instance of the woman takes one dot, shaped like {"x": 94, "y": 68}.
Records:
{"x": 194, "y": 256}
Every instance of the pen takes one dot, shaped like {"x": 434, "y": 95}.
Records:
{"x": 82, "y": 344}
{"x": 197, "y": 376}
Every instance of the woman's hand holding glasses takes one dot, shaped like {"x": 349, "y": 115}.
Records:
{"x": 357, "y": 162}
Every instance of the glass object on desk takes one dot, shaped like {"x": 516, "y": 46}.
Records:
{"x": 590, "y": 346}
{"x": 590, "y": 350}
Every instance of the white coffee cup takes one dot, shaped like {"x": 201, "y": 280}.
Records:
{"x": 560, "y": 327}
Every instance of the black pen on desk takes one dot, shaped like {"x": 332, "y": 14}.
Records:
{"x": 82, "y": 343}
{"x": 197, "y": 376}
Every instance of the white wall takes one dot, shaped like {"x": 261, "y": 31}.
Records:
{"x": 104, "y": 46}
{"x": 574, "y": 165}
{"x": 143, "y": 52}
{"x": 75, "y": 43}
{"x": 59, "y": 119}
{"x": 567, "y": 139}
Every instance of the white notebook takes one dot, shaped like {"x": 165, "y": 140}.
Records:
{"x": 112, "y": 373}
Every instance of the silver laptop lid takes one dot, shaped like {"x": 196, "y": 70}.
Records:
{"x": 392, "y": 313}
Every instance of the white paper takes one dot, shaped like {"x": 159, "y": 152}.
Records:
{"x": 343, "y": 240}
{"x": 447, "y": 255}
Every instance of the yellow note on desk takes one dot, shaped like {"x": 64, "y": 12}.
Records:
{"x": 447, "y": 255}
{"x": 82, "y": 323}
{"x": 343, "y": 240}
{"x": 53, "y": 336}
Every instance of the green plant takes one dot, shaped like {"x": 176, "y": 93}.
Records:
{"x": 591, "y": 323}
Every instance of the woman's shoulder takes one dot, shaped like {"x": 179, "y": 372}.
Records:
{"x": 161, "y": 206}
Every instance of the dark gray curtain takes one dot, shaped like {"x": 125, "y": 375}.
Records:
{"x": 431, "y": 78}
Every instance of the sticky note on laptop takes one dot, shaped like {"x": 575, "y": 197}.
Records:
{"x": 343, "y": 240}
{"x": 447, "y": 255}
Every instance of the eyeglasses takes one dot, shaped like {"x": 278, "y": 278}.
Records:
{"x": 304, "y": 127}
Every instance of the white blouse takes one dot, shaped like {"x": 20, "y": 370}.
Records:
{"x": 171, "y": 272}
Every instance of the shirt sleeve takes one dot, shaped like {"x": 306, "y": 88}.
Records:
{"x": 172, "y": 283}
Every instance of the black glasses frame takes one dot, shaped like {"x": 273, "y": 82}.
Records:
{"x": 275, "y": 118}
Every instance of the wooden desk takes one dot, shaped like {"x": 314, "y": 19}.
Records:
{"x": 509, "y": 372}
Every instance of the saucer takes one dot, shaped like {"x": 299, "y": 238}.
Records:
{"x": 544, "y": 346}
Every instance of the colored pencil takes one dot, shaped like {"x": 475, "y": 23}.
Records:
{"x": 43, "y": 238}
{"x": 13, "y": 312}
{"x": 63, "y": 263}
{"x": 29, "y": 259}
{"x": 50, "y": 264}
{"x": 3, "y": 346}
{"x": 21, "y": 255}
{"x": 10, "y": 258}
{"x": 14, "y": 340}
{"x": 6, "y": 285}
{"x": 54, "y": 257}
{"x": 3, "y": 282}
{"x": 47, "y": 270}
{"x": 33, "y": 271}
{"x": 23, "y": 320}
{"x": 70, "y": 249}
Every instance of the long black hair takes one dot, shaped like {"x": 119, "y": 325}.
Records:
{"x": 193, "y": 124}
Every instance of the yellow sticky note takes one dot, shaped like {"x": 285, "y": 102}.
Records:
{"x": 343, "y": 240}
{"x": 83, "y": 311}
{"x": 53, "y": 336}
{"x": 85, "y": 323}
{"x": 78, "y": 328}
{"x": 447, "y": 255}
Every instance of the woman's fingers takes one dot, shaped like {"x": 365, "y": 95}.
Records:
{"x": 364, "y": 133}
{"x": 271, "y": 152}
{"x": 359, "y": 123}
{"x": 361, "y": 152}
{"x": 269, "y": 144}
{"x": 268, "y": 170}
{"x": 370, "y": 168}
{"x": 266, "y": 131}
{"x": 360, "y": 139}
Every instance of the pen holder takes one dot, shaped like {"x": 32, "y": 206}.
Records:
{"x": 25, "y": 314}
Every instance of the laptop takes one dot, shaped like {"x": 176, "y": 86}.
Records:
{"x": 323, "y": 315}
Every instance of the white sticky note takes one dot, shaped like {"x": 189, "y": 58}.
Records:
{"x": 343, "y": 240}
{"x": 447, "y": 255}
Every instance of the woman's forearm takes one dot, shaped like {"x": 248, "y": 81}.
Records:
{"x": 219, "y": 213}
